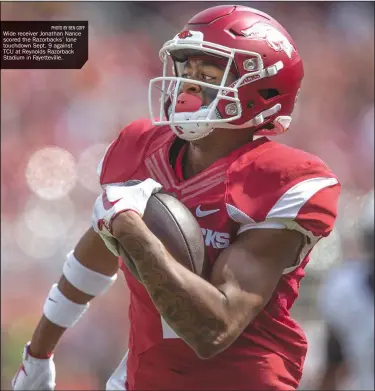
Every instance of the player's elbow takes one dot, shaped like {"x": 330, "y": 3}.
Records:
{"x": 219, "y": 340}
{"x": 209, "y": 348}
{"x": 206, "y": 351}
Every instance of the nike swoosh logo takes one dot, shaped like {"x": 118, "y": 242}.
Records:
{"x": 107, "y": 205}
{"x": 52, "y": 300}
{"x": 203, "y": 213}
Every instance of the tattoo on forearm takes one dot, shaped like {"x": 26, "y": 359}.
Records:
{"x": 183, "y": 310}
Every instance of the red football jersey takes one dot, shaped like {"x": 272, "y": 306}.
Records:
{"x": 260, "y": 185}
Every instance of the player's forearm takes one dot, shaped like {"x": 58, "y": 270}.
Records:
{"x": 91, "y": 267}
{"x": 47, "y": 334}
{"x": 196, "y": 310}
{"x": 45, "y": 338}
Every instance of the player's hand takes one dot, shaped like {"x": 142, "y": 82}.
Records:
{"x": 119, "y": 198}
{"x": 35, "y": 373}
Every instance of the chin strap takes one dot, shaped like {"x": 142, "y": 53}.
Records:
{"x": 194, "y": 131}
{"x": 261, "y": 117}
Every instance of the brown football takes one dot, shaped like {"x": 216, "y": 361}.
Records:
{"x": 176, "y": 227}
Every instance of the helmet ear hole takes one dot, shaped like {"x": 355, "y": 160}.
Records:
{"x": 268, "y": 93}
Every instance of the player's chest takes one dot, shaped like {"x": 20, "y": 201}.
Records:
{"x": 203, "y": 194}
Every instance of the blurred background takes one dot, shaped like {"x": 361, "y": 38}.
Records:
{"x": 56, "y": 124}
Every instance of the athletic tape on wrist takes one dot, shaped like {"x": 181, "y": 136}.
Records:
{"x": 85, "y": 279}
{"x": 60, "y": 310}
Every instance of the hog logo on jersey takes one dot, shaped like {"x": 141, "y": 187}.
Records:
{"x": 275, "y": 39}
{"x": 185, "y": 34}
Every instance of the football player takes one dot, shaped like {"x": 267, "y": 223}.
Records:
{"x": 346, "y": 300}
{"x": 262, "y": 206}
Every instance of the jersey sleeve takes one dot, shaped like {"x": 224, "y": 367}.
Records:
{"x": 125, "y": 153}
{"x": 285, "y": 189}
{"x": 310, "y": 206}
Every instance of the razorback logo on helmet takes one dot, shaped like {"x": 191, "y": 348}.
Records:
{"x": 275, "y": 39}
{"x": 185, "y": 34}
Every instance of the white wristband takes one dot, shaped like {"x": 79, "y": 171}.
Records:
{"x": 60, "y": 310}
{"x": 85, "y": 279}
